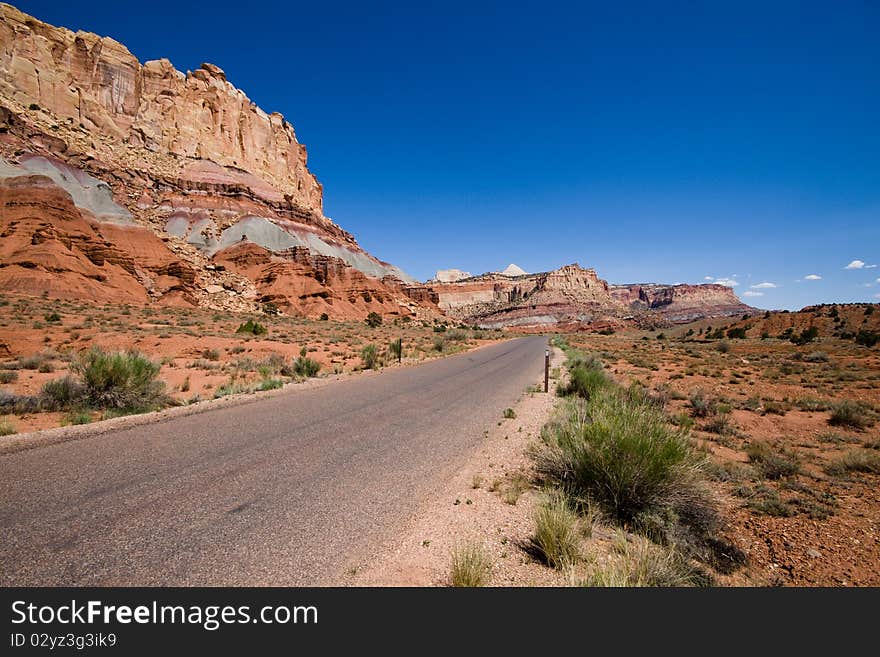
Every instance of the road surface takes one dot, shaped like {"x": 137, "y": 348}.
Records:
{"x": 283, "y": 491}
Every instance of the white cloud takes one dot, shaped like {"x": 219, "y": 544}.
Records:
{"x": 752, "y": 293}
{"x": 870, "y": 266}
{"x": 877, "y": 281}
{"x": 812, "y": 277}
{"x": 763, "y": 286}
{"x": 856, "y": 264}
{"x": 729, "y": 282}
{"x": 877, "y": 296}
{"x": 708, "y": 278}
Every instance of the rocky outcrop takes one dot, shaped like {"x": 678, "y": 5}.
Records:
{"x": 185, "y": 160}
{"x": 572, "y": 297}
{"x": 98, "y": 83}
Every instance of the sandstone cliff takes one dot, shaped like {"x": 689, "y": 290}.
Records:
{"x": 183, "y": 164}
{"x": 572, "y": 297}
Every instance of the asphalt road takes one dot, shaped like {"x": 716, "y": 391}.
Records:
{"x": 283, "y": 491}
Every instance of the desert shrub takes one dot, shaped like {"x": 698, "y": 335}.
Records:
{"x": 63, "y": 393}
{"x": 816, "y": 357}
{"x": 52, "y": 318}
{"x": 701, "y": 406}
{"x": 509, "y": 414}
{"x": 621, "y": 454}
{"x": 373, "y": 320}
{"x": 583, "y": 382}
{"x": 395, "y": 349}
{"x": 77, "y": 417}
{"x": 557, "y": 532}
{"x": 737, "y": 333}
{"x": 369, "y": 357}
{"x": 325, "y": 317}
{"x": 850, "y": 414}
{"x": 642, "y": 564}
{"x": 210, "y": 354}
{"x": 457, "y": 335}
{"x": 770, "y": 463}
{"x": 867, "y": 338}
{"x": 7, "y": 428}
{"x": 8, "y": 376}
{"x": 805, "y": 337}
{"x": 440, "y": 343}
{"x": 303, "y": 366}
{"x": 251, "y": 327}
{"x": 124, "y": 381}
{"x": 723, "y": 347}
{"x": 32, "y": 362}
{"x": 270, "y": 384}
{"x": 855, "y": 460}
{"x": 470, "y": 566}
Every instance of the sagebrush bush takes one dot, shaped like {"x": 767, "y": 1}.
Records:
{"x": 124, "y": 381}
{"x": 621, "y": 454}
{"x": 63, "y": 393}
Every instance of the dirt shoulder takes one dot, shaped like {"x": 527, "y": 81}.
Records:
{"x": 489, "y": 502}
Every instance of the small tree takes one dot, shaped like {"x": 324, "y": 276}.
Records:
{"x": 374, "y": 319}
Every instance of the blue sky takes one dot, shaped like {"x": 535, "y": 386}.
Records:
{"x": 656, "y": 141}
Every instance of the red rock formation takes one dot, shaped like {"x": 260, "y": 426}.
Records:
{"x": 50, "y": 245}
{"x": 187, "y": 166}
{"x": 571, "y": 297}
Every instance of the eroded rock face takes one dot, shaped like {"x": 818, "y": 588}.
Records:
{"x": 98, "y": 83}
{"x": 48, "y": 244}
{"x": 184, "y": 160}
{"x": 572, "y": 297}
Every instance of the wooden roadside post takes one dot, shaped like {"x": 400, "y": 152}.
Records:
{"x": 399, "y": 350}
{"x": 546, "y": 370}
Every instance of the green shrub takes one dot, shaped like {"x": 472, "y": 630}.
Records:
{"x": 251, "y": 327}
{"x": 439, "y": 343}
{"x": 325, "y": 317}
{"x": 470, "y": 566}
{"x": 557, "y": 532}
{"x": 8, "y": 376}
{"x": 125, "y": 381}
{"x": 305, "y": 367}
{"x": 395, "y": 349}
{"x": 373, "y": 320}
{"x": 211, "y": 354}
{"x": 583, "y": 382}
{"x": 621, "y": 454}
{"x": 509, "y": 414}
{"x": 7, "y": 428}
{"x": 270, "y": 384}
{"x": 737, "y": 333}
{"x": 850, "y": 414}
{"x": 369, "y": 357}
{"x": 77, "y": 417}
